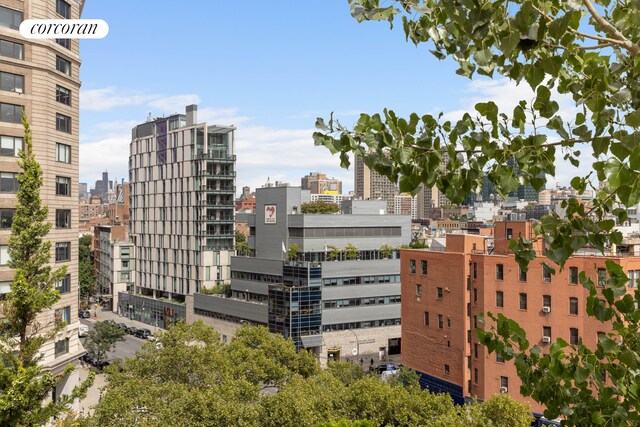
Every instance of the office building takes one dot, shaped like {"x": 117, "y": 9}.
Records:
{"x": 370, "y": 185}
{"x": 42, "y": 77}
{"x": 182, "y": 191}
{"x": 444, "y": 292}
{"x": 334, "y": 289}
{"x": 318, "y": 183}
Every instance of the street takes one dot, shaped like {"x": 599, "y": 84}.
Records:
{"x": 126, "y": 348}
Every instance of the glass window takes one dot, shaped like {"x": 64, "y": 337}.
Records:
{"x": 447, "y": 370}
{"x": 523, "y": 301}
{"x": 11, "y": 82}
{"x": 546, "y": 300}
{"x": 634, "y": 276}
{"x": 573, "y": 275}
{"x": 11, "y": 49}
{"x": 426, "y": 318}
{"x": 64, "y": 286}
{"x": 64, "y": 43}
{"x": 10, "y": 18}
{"x": 10, "y": 113}
{"x": 6, "y": 218}
{"x": 475, "y": 270}
{"x": 522, "y": 275}
{"x": 63, "y": 251}
{"x": 504, "y": 382}
{"x": 63, "y": 9}
{"x": 10, "y": 146}
{"x": 63, "y": 123}
{"x": 423, "y": 266}
{"x": 63, "y": 315}
{"x": 573, "y": 336}
{"x": 602, "y": 277}
{"x": 63, "y": 218}
{"x": 440, "y": 321}
{"x": 63, "y": 65}
{"x": 573, "y": 305}
{"x": 499, "y": 299}
{"x": 63, "y": 153}
{"x": 63, "y": 186}
{"x": 62, "y": 347}
{"x": 499, "y": 272}
{"x": 439, "y": 293}
{"x": 418, "y": 290}
{"x": 546, "y": 274}
{"x": 499, "y": 358}
{"x": 546, "y": 331}
{"x": 412, "y": 266}
{"x": 8, "y": 182}
{"x": 63, "y": 95}
{"x": 4, "y": 254}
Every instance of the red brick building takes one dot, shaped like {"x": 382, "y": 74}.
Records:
{"x": 444, "y": 292}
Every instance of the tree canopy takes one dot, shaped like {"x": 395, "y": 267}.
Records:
{"x": 260, "y": 380}
{"x": 319, "y": 207}
{"x": 103, "y": 338}
{"x": 87, "y": 271}
{"x": 586, "y": 52}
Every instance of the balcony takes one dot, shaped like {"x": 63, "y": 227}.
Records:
{"x": 219, "y": 175}
{"x": 212, "y": 189}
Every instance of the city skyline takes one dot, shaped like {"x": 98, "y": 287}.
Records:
{"x": 268, "y": 69}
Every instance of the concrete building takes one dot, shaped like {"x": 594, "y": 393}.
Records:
{"x": 318, "y": 183}
{"x": 331, "y": 198}
{"x": 114, "y": 260}
{"x": 336, "y": 303}
{"x": 370, "y": 185}
{"x": 406, "y": 204}
{"x": 182, "y": 186}
{"x": 42, "y": 76}
{"x": 443, "y": 293}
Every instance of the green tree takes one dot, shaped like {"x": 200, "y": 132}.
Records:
{"x": 345, "y": 372}
{"x": 292, "y": 252}
{"x": 333, "y": 253}
{"x": 351, "y": 252}
{"x": 242, "y": 246}
{"x": 23, "y": 384}
{"x": 586, "y": 52}
{"x": 386, "y": 251}
{"x": 87, "y": 271}
{"x": 103, "y": 338}
{"x": 319, "y": 207}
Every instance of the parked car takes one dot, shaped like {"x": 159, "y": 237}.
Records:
{"x": 131, "y": 330}
{"x": 83, "y": 331}
{"x": 110, "y": 322}
{"x": 143, "y": 333}
{"x": 84, "y": 314}
{"x": 92, "y": 360}
{"x": 123, "y": 326}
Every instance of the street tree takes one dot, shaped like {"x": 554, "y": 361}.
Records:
{"x": 25, "y": 326}
{"x": 103, "y": 338}
{"x": 87, "y": 271}
{"x": 586, "y": 52}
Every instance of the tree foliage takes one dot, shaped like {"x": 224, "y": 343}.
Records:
{"x": 351, "y": 252}
{"x": 242, "y": 246}
{"x": 87, "y": 272}
{"x": 26, "y": 327}
{"x": 103, "y": 338}
{"x": 587, "y": 53}
{"x": 319, "y": 207}
{"x": 292, "y": 252}
{"x": 259, "y": 380}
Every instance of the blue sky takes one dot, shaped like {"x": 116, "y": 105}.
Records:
{"x": 268, "y": 67}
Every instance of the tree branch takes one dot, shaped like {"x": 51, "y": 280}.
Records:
{"x": 611, "y": 30}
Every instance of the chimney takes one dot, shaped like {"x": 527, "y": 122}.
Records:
{"x": 192, "y": 114}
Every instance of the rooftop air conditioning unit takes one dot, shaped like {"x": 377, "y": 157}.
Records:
{"x": 546, "y": 340}
{"x": 546, "y": 309}
{"x": 503, "y": 390}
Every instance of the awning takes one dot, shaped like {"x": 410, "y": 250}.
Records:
{"x": 312, "y": 341}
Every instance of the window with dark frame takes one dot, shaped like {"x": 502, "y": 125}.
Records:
{"x": 499, "y": 272}
{"x": 63, "y": 65}
{"x": 10, "y": 82}
{"x": 11, "y": 49}
{"x": 522, "y": 275}
{"x": 8, "y": 182}
{"x": 6, "y": 218}
{"x": 439, "y": 293}
{"x": 10, "y": 18}
{"x": 10, "y": 113}
{"x": 412, "y": 266}
{"x": 504, "y": 382}
{"x": 475, "y": 270}
{"x": 440, "y": 321}
{"x": 426, "y": 318}
{"x": 63, "y": 251}
{"x": 499, "y": 358}
{"x": 523, "y": 301}
{"x": 66, "y": 43}
{"x": 63, "y": 9}
{"x": 546, "y": 331}
{"x": 573, "y": 336}
{"x": 63, "y": 123}
{"x": 63, "y": 95}
{"x": 63, "y": 186}
{"x": 423, "y": 267}
{"x": 10, "y": 146}
{"x": 62, "y": 347}
{"x": 573, "y": 306}
{"x": 499, "y": 299}
{"x": 546, "y": 274}
{"x": 418, "y": 290}
{"x": 573, "y": 275}
{"x": 63, "y": 153}
{"x": 447, "y": 370}
{"x": 63, "y": 218}
{"x": 602, "y": 277}
{"x": 546, "y": 301}
{"x": 64, "y": 285}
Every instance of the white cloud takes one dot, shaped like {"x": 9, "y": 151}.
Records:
{"x": 172, "y": 104}
{"x": 221, "y": 116}
{"x": 107, "y": 154}
{"x": 109, "y": 97}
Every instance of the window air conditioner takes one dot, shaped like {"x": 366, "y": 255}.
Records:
{"x": 546, "y": 340}
{"x": 503, "y": 390}
{"x": 546, "y": 309}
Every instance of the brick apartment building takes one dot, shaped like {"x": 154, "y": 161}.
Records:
{"x": 444, "y": 292}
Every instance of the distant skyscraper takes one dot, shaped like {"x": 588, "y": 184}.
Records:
{"x": 369, "y": 184}
{"x": 524, "y": 192}
{"x": 182, "y": 186}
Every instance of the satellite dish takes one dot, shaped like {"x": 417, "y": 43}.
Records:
{"x": 354, "y": 351}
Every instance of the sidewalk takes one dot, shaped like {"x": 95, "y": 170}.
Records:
{"x": 110, "y": 315}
